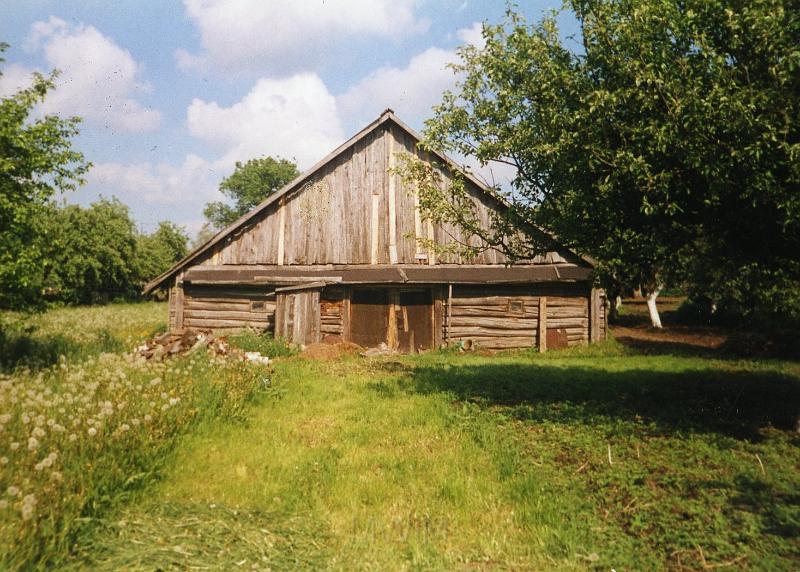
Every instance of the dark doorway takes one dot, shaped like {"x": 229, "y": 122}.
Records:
{"x": 369, "y": 317}
{"x": 415, "y": 321}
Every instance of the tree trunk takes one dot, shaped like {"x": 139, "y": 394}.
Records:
{"x": 655, "y": 319}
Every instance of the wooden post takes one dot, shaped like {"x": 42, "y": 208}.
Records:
{"x": 594, "y": 315}
{"x": 391, "y": 334}
{"x": 281, "y": 229}
{"x": 449, "y": 312}
{"x": 392, "y": 198}
{"x": 346, "y": 314}
{"x": 179, "y": 303}
{"x": 542, "y": 324}
{"x": 438, "y": 315}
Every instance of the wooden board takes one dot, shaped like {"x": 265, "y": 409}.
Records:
{"x": 369, "y": 316}
{"x": 297, "y": 316}
{"x": 415, "y": 321}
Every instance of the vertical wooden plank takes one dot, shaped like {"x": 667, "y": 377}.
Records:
{"x": 542, "y": 333}
{"x": 392, "y": 332}
{"x": 417, "y": 225}
{"x": 179, "y": 302}
{"x": 316, "y": 317}
{"x": 438, "y": 316}
{"x": 392, "y": 196}
{"x": 432, "y": 239}
{"x": 374, "y": 228}
{"x": 281, "y": 229}
{"x": 594, "y": 315}
{"x": 449, "y": 312}
{"x": 346, "y": 314}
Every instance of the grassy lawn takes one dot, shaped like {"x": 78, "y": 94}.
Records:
{"x": 585, "y": 459}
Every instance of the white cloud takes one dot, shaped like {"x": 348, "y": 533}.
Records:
{"x": 159, "y": 191}
{"x": 15, "y": 77}
{"x": 251, "y": 35}
{"x": 472, "y": 35}
{"x": 295, "y": 117}
{"x": 99, "y": 80}
{"x": 410, "y": 91}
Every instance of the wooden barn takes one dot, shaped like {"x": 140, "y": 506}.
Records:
{"x": 334, "y": 255}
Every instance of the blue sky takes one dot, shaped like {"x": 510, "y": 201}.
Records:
{"x": 172, "y": 94}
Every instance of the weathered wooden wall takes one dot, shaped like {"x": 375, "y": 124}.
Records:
{"x": 297, "y": 316}
{"x": 502, "y": 317}
{"x": 354, "y": 211}
{"x": 332, "y": 312}
{"x": 228, "y": 307}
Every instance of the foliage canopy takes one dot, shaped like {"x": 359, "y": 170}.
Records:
{"x": 664, "y": 141}
{"x": 36, "y": 162}
{"x": 247, "y": 186}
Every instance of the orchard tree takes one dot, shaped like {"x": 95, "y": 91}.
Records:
{"x": 250, "y": 183}
{"x": 94, "y": 253}
{"x": 157, "y": 252}
{"x": 36, "y": 162}
{"x": 666, "y": 146}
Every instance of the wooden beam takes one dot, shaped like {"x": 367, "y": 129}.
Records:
{"x": 394, "y": 302}
{"x": 346, "y": 314}
{"x": 438, "y": 316}
{"x": 179, "y": 303}
{"x": 594, "y": 315}
{"x": 375, "y": 228}
{"x": 432, "y": 239}
{"x": 542, "y": 324}
{"x": 281, "y": 229}
{"x": 392, "y": 198}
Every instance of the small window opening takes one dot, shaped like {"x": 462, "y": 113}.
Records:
{"x": 257, "y": 306}
{"x": 516, "y": 306}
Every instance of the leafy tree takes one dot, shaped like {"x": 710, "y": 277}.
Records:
{"x": 94, "y": 253}
{"x": 250, "y": 183}
{"x": 158, "y": 251}
{"x": 36, "y": 162}
{"x": 666, "y": 146}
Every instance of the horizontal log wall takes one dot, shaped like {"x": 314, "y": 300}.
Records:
{"x": 332, "y": 312}
{"x": 503, "y": 317}
{"x": 226, "y": 307}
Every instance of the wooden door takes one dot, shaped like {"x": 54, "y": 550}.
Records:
{"x": 297, "y": 317}
{"x": 369, "y": 316}
{"x": 415, "y": 320}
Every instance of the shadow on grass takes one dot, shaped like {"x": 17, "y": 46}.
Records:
{"x": 733, "y": 403}
{"x": 23, "y": 346}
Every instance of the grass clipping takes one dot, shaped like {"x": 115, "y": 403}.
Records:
{"x": 200, "y": 537}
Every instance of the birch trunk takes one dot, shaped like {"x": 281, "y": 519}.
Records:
{"x": 655, "y": 319}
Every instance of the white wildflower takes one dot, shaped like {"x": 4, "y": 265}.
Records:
{"x": 5, "y": 418}
{"x": 73, "y": 437}
{"x": 56, "y": 476}
{"x": 38, "y": 432}
{"x": 28, "y": 507}
{"x": 4, "y": 461}
{"x": 33, "y": 444}
{"x": 92, "y": 431}
{"x": 14, "y": 446}
{"x": 13, "y": 491}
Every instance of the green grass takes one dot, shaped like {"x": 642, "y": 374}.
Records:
{"x": 37, "y": 340}
{"x": 586, "y": 459}
{"x": 87, "y": 434}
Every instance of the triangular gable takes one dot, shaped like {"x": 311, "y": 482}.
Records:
{"x": 298, "y": 183}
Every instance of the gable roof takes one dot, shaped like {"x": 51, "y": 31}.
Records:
{"x": 386, "y": 117}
